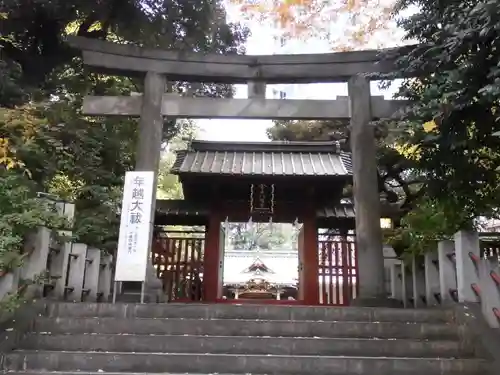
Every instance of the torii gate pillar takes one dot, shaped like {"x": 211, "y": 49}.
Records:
{"x": 148, "y": 153}
{"x": 366, "y": 197}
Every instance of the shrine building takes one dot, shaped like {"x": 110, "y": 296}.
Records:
{"x": 282, "y": 182}
{"x": 260, "y": 274}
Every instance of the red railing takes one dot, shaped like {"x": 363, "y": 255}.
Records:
{"x": 178, "y": 259}
{"x": 337, "y": 269}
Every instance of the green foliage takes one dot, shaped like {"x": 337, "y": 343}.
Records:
{"x": 32, "y": 33}
{"x": 11, "y": 93}
{"x": 77, "y": 159}
{"x": 456, "y": 63}
{"x": 429, "y": 222}
{"x": 21, "y": 212}
{"x": 301, "y": 130}
{"x": 397, "y": 184}
{"x": 47, "y": 145}
{"x": 450, "y": 170}
{"x": 12, "y": 301}
{"x": 43, "y": 83}
{"x": 169, "y": 186}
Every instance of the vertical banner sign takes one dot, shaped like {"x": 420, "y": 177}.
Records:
{"x": 135, "y": 227}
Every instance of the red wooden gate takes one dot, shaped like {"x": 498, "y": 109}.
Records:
{"x": 337, "y": 269}
{"x": 178, "y": 259}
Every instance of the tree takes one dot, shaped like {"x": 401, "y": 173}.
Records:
{"x": 42, "y": 132}
{"x": 302, "y": 130}
{"x": 399, "y": 185}
{"x": 429, "y": 222}
{"x": 169, "y": 186}
{"x": 254, "y": 236}
{"x": 421, "y": 221}
{"x": 32, "y": 32}
{"x": 456, "y": 90}
{"x": 345, "y": 24}
{"x": 446, "y": 135}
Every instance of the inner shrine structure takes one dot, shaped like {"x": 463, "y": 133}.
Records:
{"x": 294, "y": 182}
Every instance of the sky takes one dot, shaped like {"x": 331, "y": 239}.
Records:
{"x": 260, "y": 43}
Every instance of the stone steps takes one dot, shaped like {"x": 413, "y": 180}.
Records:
{"x": 247, "y": 345}
{"x": 98, "y": 373}
{"x": 250, "y": 312}
{"x": 131, "y": 339}
{"x": 240, "y": 327}
{"x": 237, "y": 363}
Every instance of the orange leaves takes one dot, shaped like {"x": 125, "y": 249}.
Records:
{"x": 353, "y": 4}
{"x": 283, "y": 12}
{"x": 19, "y": 127}
{"x": 346, "y": 24}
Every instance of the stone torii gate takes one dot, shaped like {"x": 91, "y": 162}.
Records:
{"x": 257, "y": 71}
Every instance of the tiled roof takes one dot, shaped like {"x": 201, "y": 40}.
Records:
{"x": 347, "y": 160}
{"x": 270, "y": 158}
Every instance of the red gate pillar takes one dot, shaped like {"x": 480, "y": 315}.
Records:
{"x": 211, "y": 259}
{"x": 311, "y": 262}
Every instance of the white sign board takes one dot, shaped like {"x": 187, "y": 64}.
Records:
{"x": 135, "y": 227}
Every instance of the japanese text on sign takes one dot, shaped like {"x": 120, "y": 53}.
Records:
{"x": 135, "y": 226}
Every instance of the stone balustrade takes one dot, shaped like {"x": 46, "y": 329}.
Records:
{"x": 53, "y": 267}
{"x": 463, "y": 270}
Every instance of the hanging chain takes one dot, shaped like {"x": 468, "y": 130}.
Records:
{"x": 272, "y": 198}
{"x": 262, "y": 195}
{"x": 251, "y": 198}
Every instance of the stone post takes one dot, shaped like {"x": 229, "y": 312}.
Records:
{"x": 93, "y": 267}
{"x": 60, "y": 256}
{"x": 9, "y": 283}
{"x": 490, "y": 290}
{"x": 105, "y": 278}
{"x": 431, "y": 278}
{"x": 404, "y": 284}
{"x": 447, "y": 272}
{"x": 366, "y": 196}
{"x": 35, "y": 264}
{"x": 396, "y": 285}
{"x": 77, "y": 260}
{"x": 466, "y": 242}
{"x": 418, "y": 283}
{"x": 148, "y": 159}
{"x": 59, "y": 269}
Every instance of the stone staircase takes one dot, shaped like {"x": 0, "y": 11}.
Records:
{"x": 84, "y": 338}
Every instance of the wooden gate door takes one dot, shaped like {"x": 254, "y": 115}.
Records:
{"x": 178, "y": 259}
{"x": 337, "y": 270}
